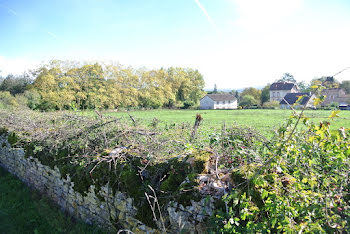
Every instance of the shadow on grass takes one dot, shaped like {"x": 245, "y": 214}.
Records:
{"x": 23, "y": 210}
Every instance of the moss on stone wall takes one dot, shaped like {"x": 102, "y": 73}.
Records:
{"x": 12, "y": 138}
{"x": 3, "y": 131}
{"x": 173, "y": 180}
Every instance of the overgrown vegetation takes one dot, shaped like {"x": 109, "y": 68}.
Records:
{"x": 128, "y": 157}
{"x": 296, "y": 180}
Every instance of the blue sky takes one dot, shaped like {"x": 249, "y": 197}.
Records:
{"x": 233, "y": 43}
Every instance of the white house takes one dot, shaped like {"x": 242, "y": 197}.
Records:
{"x": 218, "y": 101}
{"x": 280, "y": 89}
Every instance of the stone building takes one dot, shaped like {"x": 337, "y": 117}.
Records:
{"x": 280, "y": 89}
{"x": 335, "y": 95}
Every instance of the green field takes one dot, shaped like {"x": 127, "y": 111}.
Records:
{"x": 25, "y": 211}
{"x": 264, "y": 121}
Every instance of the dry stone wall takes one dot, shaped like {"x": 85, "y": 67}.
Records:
{"x": 112, "y": 211}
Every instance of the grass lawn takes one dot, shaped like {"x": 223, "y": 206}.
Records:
{"x": 262, "y": 120}
{"x": 25, "y": 211}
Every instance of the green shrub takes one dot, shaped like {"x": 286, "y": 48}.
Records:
{"x": 272, "y": 104}
{"x": 301, "y": 184}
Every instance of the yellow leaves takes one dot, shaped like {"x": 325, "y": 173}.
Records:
{"x": 313, "y": 181}
{"x": 320, "y": 133}
{"x": 317, "y": 101}
{"x": 45, "y": 83}
{"x": 334, "y": 114}
{"x": 299, "y": 99}
{"x": 110, "y": 86}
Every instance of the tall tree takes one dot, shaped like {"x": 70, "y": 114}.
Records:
{"x": 15, "y": 84}
{"x": 255, "y": 93}
{"x": 235, "y": 93}
{"x": 187, "y": 85}
{"x": 237, "y": 96}
{"x": 303, "y": 87}
{"x": 215, "y": 89}
{"x": 326, "y": 81}
{"x": 265, "y": 94}
{"x": 345, "y": 84}
{"x": 248, "y": 101}
{"x": 287, "y": 77}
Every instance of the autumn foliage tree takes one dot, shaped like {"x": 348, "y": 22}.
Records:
{"x": 251, "y": 92}
{"x": 63, "y": 85}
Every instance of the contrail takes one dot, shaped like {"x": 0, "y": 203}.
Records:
{"x": 52, "y": 35}
{"x": 205, "y": 13}
{"x": 9, "y": 10}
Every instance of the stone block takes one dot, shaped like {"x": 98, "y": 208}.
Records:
{"x": 121, "y": 216}
{"x": 121, "y": 205}
{"x": 79, "y": 198}
{"x": 113, "y": 214}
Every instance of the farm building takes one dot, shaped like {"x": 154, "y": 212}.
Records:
{"x": 218, "y": 101}
{"x": 292, "y": 98}
{"x": 335, "y": 95}
{"x": 280, "y": 89}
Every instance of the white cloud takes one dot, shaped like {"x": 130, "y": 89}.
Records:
{"x": 15, "y": 66}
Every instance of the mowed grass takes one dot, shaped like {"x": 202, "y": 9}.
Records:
{"x": 25, "y": 211}
{"x": 265, "y": 121}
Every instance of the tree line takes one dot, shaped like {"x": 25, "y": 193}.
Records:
{"x": 61, "y": 85}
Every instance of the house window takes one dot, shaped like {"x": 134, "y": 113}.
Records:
{"x": 278, "y": 94}
{"x": 223, "y": 102}
{"x": 229, "y": 102}
{"x": 273, "y": 94}
{"x": 218, "y": 102}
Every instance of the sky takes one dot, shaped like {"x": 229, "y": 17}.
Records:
{"x": 233, "y": 43}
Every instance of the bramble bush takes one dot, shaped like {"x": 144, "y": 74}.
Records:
{"x": 296, "y": 182}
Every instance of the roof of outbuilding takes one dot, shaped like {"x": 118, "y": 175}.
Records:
{"x": 332, "y": 90}
{"x": 291, "y": 98}
{"x": 282, "y": 86}
{"x": 221, "y": 97}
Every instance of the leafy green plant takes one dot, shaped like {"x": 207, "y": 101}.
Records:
{"x": 300, "y": 185}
